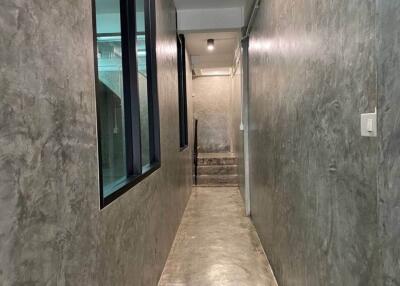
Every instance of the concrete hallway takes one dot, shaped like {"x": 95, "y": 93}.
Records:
{"x": 216, "y": 244}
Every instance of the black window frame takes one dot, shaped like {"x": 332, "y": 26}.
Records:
{"x": 183, "y": 112}
{"x": 135, "y": 172}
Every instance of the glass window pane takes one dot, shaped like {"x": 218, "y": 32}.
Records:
{"x": 110, "y": 94}
{"x": 142, "y": 82}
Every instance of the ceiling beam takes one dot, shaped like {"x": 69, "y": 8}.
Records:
{"x": 197, "y": 20}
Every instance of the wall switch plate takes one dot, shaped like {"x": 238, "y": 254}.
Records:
{"x": 369, "y": 126}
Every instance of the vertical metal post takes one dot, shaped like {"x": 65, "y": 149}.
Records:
{"x": 245, "y": 112}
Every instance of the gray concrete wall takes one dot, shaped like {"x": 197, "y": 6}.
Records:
{"x": 212, "y": 107}
{"x": 190, "y": 105}
{"x": 236, "y": 112}
{"x": 313, "y": 177}
{"x": 236, "y": 118}
{"x": 51, "y": 229}
{"x": 388, "y": 55}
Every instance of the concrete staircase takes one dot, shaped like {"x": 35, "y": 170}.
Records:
{"x": 217, "y": 169}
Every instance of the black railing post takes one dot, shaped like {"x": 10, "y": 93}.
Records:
{"x": 195, "y": 151}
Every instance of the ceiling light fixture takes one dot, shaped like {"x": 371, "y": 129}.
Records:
{"x": 210, "y": 44}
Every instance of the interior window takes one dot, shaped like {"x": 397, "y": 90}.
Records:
{"x": 126, "y": 94}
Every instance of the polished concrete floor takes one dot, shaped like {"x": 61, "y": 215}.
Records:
{"x": 216, "y": 244}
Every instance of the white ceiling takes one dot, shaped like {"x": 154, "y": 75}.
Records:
{"x": 112, "y": 6}
{"x": 209, "y": 4}
{"x": 226, "y": 40}
{"x": 222, "y": 56}
{"x": 246, "y": 5}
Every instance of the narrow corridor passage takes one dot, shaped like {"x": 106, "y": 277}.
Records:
{"x": 216, "y": 244}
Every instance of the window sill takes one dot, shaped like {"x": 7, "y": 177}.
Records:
{"x": 181, "y": 149}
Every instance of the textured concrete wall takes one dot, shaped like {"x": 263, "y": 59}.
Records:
{"x": 236, "y": 118}
{"x": 236, "y": 112}
{"x": 313, "y": 177}
{"x": 51, "y": 229}
{"x": 212, "y": 108}
{"x": 189, "y": 96}
{"x": 388, "y": 49}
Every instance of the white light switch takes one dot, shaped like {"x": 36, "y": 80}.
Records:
{"x": 369, "y": 124}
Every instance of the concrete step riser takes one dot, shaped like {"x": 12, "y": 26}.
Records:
{"x": 217, "y": 180}
{"x": 217, "y": 161}
{"x": 217, "y": 170}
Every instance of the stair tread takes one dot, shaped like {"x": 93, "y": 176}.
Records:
{"x": 216, "y": 185}
{"x": 218, "y": 175}
{"x": 213, "y": 165}
{"x": 216, "y": 155}
{"x": 217, "y": 161}
{"x": 218, "y": 166}
{"x": 217, "y": 170}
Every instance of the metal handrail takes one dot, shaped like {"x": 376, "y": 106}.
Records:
{"x": 195, "y": 150}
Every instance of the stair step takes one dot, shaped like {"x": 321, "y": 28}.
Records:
{"x": 207, "y": 161}
{"x": 218, "y": 180}
{"x": 217, "y": 170}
